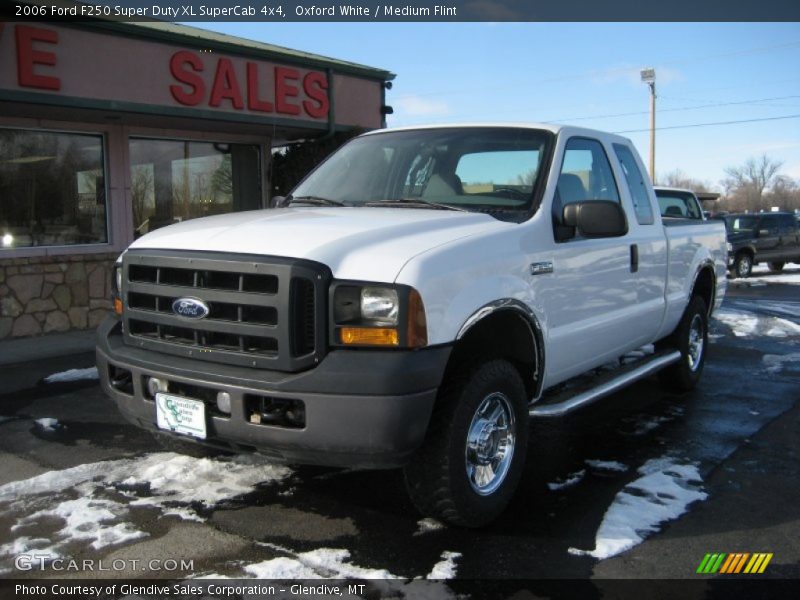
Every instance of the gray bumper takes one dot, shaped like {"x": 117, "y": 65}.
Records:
{"x": 363, "y": 408}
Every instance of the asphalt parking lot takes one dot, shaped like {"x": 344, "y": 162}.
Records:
{"x": 642, "y": 485}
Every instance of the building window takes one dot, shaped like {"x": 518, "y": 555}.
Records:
{"x": 177, "y": 180}
{"x": 52, "y": 189}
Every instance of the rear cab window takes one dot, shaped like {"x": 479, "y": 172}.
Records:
{"x": 637, "y": 186}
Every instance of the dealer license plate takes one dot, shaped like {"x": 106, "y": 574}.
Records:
{"x": 181, "y": 415}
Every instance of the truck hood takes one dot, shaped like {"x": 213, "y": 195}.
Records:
{"x": 370, "y": 244}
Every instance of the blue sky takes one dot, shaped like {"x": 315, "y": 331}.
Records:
{"x": 582, "y": 73}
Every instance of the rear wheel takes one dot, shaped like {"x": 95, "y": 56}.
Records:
{"x": 691, "y": 339}
{"x": 743, "y": 265}
{"x": 471, "y": 461}
{"x": 776, "y": 266}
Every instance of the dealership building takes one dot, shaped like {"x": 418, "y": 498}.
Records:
{"x": 109, "y": 130}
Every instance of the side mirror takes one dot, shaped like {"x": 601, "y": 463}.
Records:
{"x": 279, "y": 201}
{"x": 596, "y": 218}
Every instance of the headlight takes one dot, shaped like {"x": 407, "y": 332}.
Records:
{"x": 379, "y": 304}
{"x": 729, "y": 246}
{"x": 377, "y": 315}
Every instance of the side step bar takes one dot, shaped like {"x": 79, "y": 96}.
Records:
{"x": 571, "y": 400}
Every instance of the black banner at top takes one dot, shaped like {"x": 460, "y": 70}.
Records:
{"x": 406, "y": 10}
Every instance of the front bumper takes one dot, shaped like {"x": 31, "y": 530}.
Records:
{"x": 363, "y": 408}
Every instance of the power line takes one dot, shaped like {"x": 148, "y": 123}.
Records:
{"x": 618, "y": 70}
{"x": 676, "y": 109}
{"x": 714, "y": 123}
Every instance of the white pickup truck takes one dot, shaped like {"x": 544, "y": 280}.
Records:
{"x": 411, "y": 303}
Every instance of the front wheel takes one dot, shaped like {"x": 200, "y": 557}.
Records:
{"x": 691, "y": 339}
{"x": 743, "y": 265}
{"x": 471, "y": 461}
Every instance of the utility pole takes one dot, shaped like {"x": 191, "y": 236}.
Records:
{"x": 649, "y": 77}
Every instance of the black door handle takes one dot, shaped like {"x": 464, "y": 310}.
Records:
{"x": 634, "y": 258}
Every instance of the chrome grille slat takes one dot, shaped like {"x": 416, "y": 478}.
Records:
{"x": 176, "y": 291}
{"x": 263, "y": 311}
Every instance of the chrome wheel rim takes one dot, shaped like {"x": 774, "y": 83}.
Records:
{"x": 744, "y": 267}
{"x": 490, "y": 444}
{"x": 696, "y": 343}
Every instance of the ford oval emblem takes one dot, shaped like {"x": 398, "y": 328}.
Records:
{"x": 191, "y": 308}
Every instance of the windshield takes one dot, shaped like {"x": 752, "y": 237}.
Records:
{"x": 678, "y": 204}
{"x": 475, "y": 169}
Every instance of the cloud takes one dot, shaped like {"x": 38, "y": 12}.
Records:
{"x": 415, "y": 106}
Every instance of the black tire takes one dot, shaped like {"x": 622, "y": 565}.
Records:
{"x": 438, "y": 480}
{"x": 743, "y": 265}
{"x": 776, "y": 266}
{"x": 170, "y": 442}
{"x": 691, "y": 339}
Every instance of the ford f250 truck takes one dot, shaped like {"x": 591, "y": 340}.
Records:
{"x": 413, "y": 303}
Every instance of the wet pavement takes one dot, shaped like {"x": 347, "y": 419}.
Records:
{"x": 738, "y": 429}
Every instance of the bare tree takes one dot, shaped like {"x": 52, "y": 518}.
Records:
{"x": 749, "y": 181}
{"x": 679, "y": 179}
{"x": 784, "y": 193}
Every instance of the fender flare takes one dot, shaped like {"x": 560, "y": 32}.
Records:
{"x": 534, "y": 329}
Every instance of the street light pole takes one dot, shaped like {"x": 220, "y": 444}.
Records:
{"x": 649, "y": 77}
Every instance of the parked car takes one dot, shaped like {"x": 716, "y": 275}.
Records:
{"x": 772, "y": 237}
{"x": 677, "y": 203}
{"x": 415, "y": 303}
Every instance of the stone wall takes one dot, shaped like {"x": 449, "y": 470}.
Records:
{"x": 54, "y": 293}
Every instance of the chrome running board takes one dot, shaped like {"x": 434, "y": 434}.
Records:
{"x": 571, "y": 399}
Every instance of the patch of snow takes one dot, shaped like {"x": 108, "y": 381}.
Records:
{"x": 568, "y": 481}
{"x": 39, "y": 547}
{"x": 172, "y": 483}
{"x": 607, "y": 465}
{"x": 48, "y": 424}
{"x": 745, "y": 324}
{"x": 320, "y": 563}
{"x": 427, "y": 525}
{"x": 445, "y": 568}
{"x": 761, "y": 274}
{"x": 741, "y": 323}
{"x": 89, "y": 520}
{"x": 73, "y": 375}
{"x": 775, "y": 363}
{"x": 662, "y": 493}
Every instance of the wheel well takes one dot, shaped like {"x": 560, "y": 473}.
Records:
{"x": 704, "y": 287}
{"x": 504, "y": 334}
{"x": 748, "y": 251}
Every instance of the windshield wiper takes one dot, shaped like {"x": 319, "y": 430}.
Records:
{"x": 315, "y": 200}
{"x": 414, "y": 203}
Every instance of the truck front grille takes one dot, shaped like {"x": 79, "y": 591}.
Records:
{"x": 264, "y": 312}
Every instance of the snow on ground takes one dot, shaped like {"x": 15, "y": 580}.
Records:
{"x": 427, "y": 525}
{"x": 91, "y": 502}
{"x": 746, "y": 324}
{"x": 48, "y": 424}
{"x": 663, "y": 492}
{"x": 775, "y": 363}
{"x": 607, "y": 465}
{"x": 330, "y": 563}
{"x": 762, "y": 274}
{"x": 568, "y": 481}
{"x": 72, "y": 375}
{"x": 445, "y": 568}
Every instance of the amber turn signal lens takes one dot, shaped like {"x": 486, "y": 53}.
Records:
{"x": 372, "y": 336}
{"x": 118, "y": 306}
